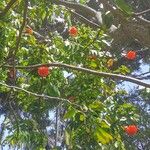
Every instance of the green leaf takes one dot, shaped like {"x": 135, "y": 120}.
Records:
{"x": 104, "y": 124}
{"x": 123, "y": 70}
{"x": 93, "y": 64}
{"x": 96, "y": 105}
{"x": 127, "y": 106}
{"x": 123, "y": 6}
{"x": 70, "y": 113}
{"x": 82, "y": 117}
{"x": 67, "y": 137}
{"x": 52, "y": 90}
{"x": 103, "y": 136}
{"x": 100, "y": 138}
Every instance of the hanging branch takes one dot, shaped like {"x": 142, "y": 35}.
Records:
{"x": 39, "y": 95}
{"x": 89, "y": 71}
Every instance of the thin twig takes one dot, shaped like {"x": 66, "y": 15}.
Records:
{"x": 148, "y": 72}
{"x": 144, "y": 78}
{"x": 142, "y": 74}
{"x": 85, "y": 20}
{"x": 141, "y": 13}
{"x": 97, "y": 73}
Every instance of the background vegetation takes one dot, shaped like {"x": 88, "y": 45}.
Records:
{"x": 81, "y": 104}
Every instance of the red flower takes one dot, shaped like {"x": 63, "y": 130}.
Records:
{"x": 73, "y": 31}
{"x": 43, "y": 71}
{"x": 29, "y": 31}
{"x": 131, "y": 129}
{"x": 131, "y": 55}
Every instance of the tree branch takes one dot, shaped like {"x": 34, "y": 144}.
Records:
{"x": 141, "y": 13}
{"x": 136, "y": 29}
{"x": 6, "y": 9}
{"x": 85, "y": 20}
{"x": 77, "y": 7}
{"x": 39, "y": 95}
{"x": 97, "y": 73}
{"x": 22, "y": 27}
{"x": 108, "y": 6}
{"x": 81, "y": 9}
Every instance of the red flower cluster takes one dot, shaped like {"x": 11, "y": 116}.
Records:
{"x": 131, "y": 129}
{"x": 73, "y": 31}
{"x": 131, "y": 55}
{"x": 43, "y": 71}
{"x": 28, "y": 31}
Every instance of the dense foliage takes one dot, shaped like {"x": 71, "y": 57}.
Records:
{"x": 62, "y": 67}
